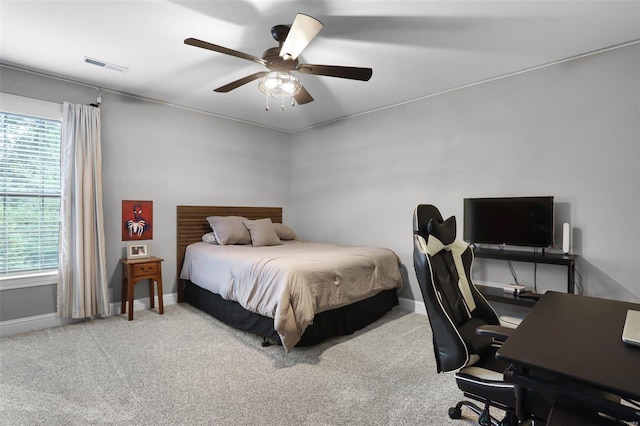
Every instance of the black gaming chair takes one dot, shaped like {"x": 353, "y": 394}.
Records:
{"x": 456, "y": 309}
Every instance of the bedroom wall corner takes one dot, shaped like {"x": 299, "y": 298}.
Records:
{"x": 570, "y": 130}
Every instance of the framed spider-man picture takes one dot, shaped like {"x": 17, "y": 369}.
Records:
{"x": 137, "y": 220}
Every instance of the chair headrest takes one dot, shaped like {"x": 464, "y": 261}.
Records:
{"x": 445, "y": 231}
{"x": 421, "y": 217}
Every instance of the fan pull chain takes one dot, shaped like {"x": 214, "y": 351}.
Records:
{"x": 281, "y": 106}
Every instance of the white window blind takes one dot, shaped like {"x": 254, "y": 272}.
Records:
{"x": 29, "y": 187}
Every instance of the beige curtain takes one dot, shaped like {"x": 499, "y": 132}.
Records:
{"x": 82, "y": 276}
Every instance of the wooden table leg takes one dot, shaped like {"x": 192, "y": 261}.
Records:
{"x": 151, "y": 295}
{"x": 125, "y": 282}
{"x": 160, "y": 296}
{"x": 130, "y": 294}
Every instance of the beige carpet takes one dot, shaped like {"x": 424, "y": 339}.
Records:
{"x": 184, "y": 367}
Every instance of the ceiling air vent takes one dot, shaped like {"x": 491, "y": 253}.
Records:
{"x": 104, "y": 64}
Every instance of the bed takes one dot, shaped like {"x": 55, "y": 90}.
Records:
{"x": 294, "y": 292}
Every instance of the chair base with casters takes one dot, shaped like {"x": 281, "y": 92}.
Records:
{"x": 466, "y": 330}
{"x": 484, "y": 416}
{"x": 484, "y": 383}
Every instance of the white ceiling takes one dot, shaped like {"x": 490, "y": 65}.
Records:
{"x": 416, "y": 48}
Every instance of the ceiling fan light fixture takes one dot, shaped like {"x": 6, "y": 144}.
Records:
{"x": 279, "y": 84}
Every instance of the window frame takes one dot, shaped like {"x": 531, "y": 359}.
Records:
{"x": 25, "y": 106}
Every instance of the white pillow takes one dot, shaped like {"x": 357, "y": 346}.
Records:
{"x": 263, "y": 233}
{"x": 210, "y": 238}
{"x": 284, "y": 232}
{"x": 229, "y": 229}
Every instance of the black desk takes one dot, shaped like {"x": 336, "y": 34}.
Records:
{"x": 575, "y": 340}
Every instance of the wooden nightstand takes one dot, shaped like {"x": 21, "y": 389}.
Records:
{"x": 134, "y": 270}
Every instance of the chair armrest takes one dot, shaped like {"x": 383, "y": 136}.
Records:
{"x": 498, "y": 332}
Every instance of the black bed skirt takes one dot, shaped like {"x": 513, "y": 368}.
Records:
{"x": 336, "y": 322}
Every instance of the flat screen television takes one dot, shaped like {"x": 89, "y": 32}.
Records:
{"x": 517, "y": 221}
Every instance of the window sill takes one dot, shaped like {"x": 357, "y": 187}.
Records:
{"x": 30, "y": 280}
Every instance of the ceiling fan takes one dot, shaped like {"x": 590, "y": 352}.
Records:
{"x": 279, "y": 82}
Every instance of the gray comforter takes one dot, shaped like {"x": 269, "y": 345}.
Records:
{"x": 294, "y": 281}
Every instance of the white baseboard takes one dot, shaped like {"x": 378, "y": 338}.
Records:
{"x": 410, "y": 305}
{"x": 38, "y": 322}
{"x": 144, "y": 303}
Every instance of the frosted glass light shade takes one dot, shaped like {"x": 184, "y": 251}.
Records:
{"x": 279, "y": 84}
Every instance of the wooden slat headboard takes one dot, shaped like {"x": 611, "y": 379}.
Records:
{"x": 192, "y": 224}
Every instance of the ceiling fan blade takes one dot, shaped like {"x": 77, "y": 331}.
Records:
{"x": 303, "y": 97}
{"x": 210, "y": 46}
{"x": 240, "y": 82}
{"x": 353, "y": 73}
{"x": 303, "y": 30}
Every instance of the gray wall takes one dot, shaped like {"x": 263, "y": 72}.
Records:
{"x": 169, "y": 155}
{"x": 568, "y": 130}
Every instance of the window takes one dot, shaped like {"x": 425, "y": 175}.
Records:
{"x": 30, "y": 133}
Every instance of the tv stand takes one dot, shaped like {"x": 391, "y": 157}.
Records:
{"x": 561, "y": 259}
